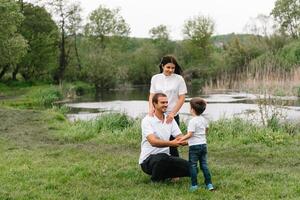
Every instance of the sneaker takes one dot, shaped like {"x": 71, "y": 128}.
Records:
{"x": 210, "y": 187}
{"x": 193, "y": 188}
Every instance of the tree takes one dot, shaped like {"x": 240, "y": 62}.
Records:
{"x": 62, "y": 10}
{"x": 262, "y": 25}
{"x": 74, "y": 26}
{"x": 287, "y": 14}
{"x": 198, "y": 31}
{"x": 161, "y": 39}
{"x": 104, "y": 22}
{"x": 104, "y": 25}
{"x": 160, "y": 32}
{"x": 13, "y": 46}
{"x": 41, "y": 33}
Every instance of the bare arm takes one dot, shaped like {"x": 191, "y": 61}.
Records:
{"x": 186, "y": 136}
{"x": 151, "y": 109}
{"x": 156, "y": 142}
{"x": 179, "y": 103}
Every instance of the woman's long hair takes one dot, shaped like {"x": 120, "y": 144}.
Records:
{"x": 170, "y": 59}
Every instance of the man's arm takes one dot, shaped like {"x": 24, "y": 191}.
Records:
{"x": 156, "y": 142}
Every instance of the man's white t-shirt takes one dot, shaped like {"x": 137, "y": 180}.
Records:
{"x": 162, "y": 130}
{"x": 172, "y": 86}
{"x": 197, "y": 125}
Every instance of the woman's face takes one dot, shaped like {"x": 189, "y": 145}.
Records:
{"x": 168, "y": 69}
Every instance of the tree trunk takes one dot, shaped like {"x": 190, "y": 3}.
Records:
{"x": 15, "y": 72}
{"x": 58, "y": 77}
{"x": 76, "y": 52}
{"x": 5, "y": 68}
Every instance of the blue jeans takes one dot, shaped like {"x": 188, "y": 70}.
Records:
{"x": 199, "y": 153}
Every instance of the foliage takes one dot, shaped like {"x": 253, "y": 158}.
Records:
{"x": 198, "y": 30}
{"x": 104, "y": 22}
{"x": 287, "y": 13}
{"x": 144, "y": 64}
{"x": 45, "y": 97}
{"x": 159, "y": 33}
{"x": 13, "y": 46}
{"x": 41, "y": 33}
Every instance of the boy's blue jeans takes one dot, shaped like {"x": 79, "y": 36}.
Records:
{"x": 199, "y": 153}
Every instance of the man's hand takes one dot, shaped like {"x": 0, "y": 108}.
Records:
{"x": 175, "y": 143}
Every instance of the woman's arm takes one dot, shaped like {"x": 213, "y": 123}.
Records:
{"x": 179, "y": 103}
{"x": 151, "y": 109}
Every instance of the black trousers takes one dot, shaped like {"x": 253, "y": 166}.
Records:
{"x": 162, "y": 166}
{"x": 174, "y": 150}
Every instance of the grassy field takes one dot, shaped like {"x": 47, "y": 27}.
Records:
{"x": 43, "y": 156}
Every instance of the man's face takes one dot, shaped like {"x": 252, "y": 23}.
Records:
{"x": 162, "y": 104}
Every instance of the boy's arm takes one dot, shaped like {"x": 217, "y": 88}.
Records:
{"x": 186, "y": 136}
{"x": 206, "y": 130}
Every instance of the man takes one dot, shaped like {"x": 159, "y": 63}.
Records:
{"x": 155, "y": 158}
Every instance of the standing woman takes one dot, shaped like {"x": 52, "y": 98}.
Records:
{"x": 171, "y": 83}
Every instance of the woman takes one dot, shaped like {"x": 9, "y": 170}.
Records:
{"x": 171, "y": 83}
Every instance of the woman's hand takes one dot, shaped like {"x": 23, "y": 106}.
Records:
{"x": 170, "y": 117}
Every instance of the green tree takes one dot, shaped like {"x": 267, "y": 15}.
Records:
{"x": 144, "y": 64}
{"x": 62, "y": 10}
{"x": 160, "y": 32}
{"x": 104, "y": 22}
{"x": 161, "y": 39}
{"x": 198, "y": 31}
{"x": 287, "y": 14}
{"x": 41, "y": 33}
{"x": 13, "y": 46}
{"x": 105, "y": 26}
{"x": 74, "y": 27}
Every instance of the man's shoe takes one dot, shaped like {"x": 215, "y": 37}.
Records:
{"x": 210, "y": 187}
{"x": 193, "y": 188}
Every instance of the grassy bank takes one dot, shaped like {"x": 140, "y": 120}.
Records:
{"x": 44, "y": 156}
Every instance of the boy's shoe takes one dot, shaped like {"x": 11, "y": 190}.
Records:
{"x": 193, "y": 188}
{"x": 210, "y": 187}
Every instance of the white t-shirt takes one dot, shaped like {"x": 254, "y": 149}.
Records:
{"x": 197, "y": 125}
{"x": 162, "y": 130}
{"x": 172, "y": 86}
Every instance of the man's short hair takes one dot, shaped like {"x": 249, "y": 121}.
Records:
{"x": 198, "y": 104}
{"x": 156, "y": 96}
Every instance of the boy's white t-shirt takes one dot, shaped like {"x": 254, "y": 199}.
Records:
{"x": 172, "y": 86}
{"x": 197, "y": 125}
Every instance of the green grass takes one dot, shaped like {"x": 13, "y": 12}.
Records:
{"x": 43, "y": 156}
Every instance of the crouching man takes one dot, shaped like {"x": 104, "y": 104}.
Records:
{"x": 155, "y": 158}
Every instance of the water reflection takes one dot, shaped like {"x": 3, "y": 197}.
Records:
{"x": 220, "y": 105}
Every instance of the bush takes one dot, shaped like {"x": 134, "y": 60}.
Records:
{"x": 45, "y": 97}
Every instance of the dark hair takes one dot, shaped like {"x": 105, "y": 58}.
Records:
{"x": 198, "y": 104}
{"x": 170, "y": 59}
{"x": 156, "y": 96}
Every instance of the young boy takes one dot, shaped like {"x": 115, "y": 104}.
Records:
{"x": 197, "y": 128}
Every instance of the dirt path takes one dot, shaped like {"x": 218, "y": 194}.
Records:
{"x": 24, "y": 127}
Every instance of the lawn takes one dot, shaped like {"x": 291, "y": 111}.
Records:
{"x": 44, "y": 156}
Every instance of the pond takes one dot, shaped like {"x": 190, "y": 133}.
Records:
{"x": 221, "y": 104}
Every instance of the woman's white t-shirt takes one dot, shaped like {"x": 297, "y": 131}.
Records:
{"x": 172, "y": 86}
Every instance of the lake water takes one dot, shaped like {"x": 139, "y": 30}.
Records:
{"x": 225, "y": 104}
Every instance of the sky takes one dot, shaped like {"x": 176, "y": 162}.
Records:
{"x": 142, "y": 15}
{"x": 230, "y": 16}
